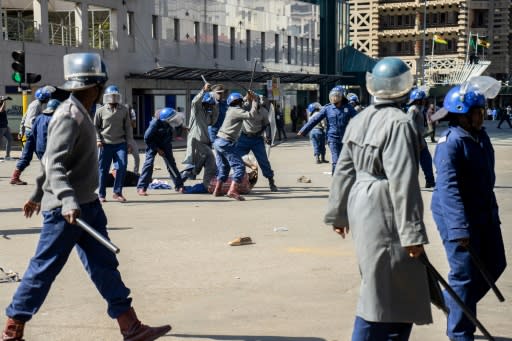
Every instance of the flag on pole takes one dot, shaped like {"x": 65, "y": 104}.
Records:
{"x": 439, "y": 39}
{"x": 472, "y": 42}
{"x": 483, "y": 43}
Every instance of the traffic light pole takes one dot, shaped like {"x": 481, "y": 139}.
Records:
{"x": 24, "y": 101}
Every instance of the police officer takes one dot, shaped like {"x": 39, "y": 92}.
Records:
{"x": 65, "y": 191}
{"x": 376, "y": 194}
{"x": 251, "y": 139}
{"x": 353, "y": 100}
{"x": 337, "y": 114}
{"x": 464, "y": 205}
{"x": 417, "y": 102}
{"x": 317, "y": 134}
{"x": 35, "y": 108}
{"x": 40, "y": 127}
{"x": 219, "y": 93}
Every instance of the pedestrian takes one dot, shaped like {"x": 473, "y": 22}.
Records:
{"x": 464, "y": 206}
{"x": 417, "y": 102}
{"x": 280, "y": 123}
{"x": 203, "y": 114}
{"x": 227, "y": 156}
{"x": 317, "y": 134}
{"x": 113, "y": 131}
{"x": 40, "y": 127}
{"x": 375, "y": 193}
{"x": 133, "y": 147}
{"x": 158, "y": 138}
{"x": 5, "y": 131}
{"x": 337, "y": 115}
{"x": 431, "y": 124}
{"x": 65, "y": 191}
{"x": 294, "y": 117}
{"x": 35, "y": 108}
{"x": 505, "y": 116}
{"x": 494, "y": 113}
{"x": 252, "y": 139}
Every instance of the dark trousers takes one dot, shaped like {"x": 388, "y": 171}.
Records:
{"x": 317, "y": 138}
{"x": 118, "y": 153}
{"x": 56, "y": 241}
{"x": 380, "y": 331}
{"x": 246, "y": 144}
{"x": 426, "y": 165}
{"x": 147, "y": 169}
{"x": 335, "y": 147}
{"x": 28, "y": 151}
{"x": 227, "y": 157}
{"x": 504, "y": 117}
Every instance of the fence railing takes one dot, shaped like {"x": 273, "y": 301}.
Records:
{"x": 64, "y": 35}
{"x": 19, "y": 29}
{"x": 100, "y": 38}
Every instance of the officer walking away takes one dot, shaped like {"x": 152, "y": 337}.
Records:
{"x": 505, "y": 116}
{"x": 294, "y": 117}
{"x": 464, "y": 206}
{"x": 5, "y": 131}
{"x": 280, "y": 123}
{"x": 40, "y": 127}
{"x": 35, "y": 108}
{"x": 337, "y": 115}
{"x": 252, "y": 139}
{"x": 65, "y": 191}
{"x": 431, "y": 124}
{"x": 317, "y": 134}
{"x": 114, "y": 130}
{"x": 227, "y": 155}
{"x": 158, "y": 138}
{"x": 417, "y": 102}
{"x": 375, "y": 193}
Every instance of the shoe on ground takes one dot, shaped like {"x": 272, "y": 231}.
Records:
{"x": 142, "y": 192}
{"x": 102, "y": 199}
{"x": 241, "y": 241}
{"x": 430, "y": 184}
{"x": 118, "y": 197}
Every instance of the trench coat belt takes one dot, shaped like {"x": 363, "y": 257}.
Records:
{"x": 365, "y": 176}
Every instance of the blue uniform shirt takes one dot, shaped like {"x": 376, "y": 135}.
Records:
{"x": 464, "y": 192}
{"x": 337, "y": 120}
{"x": 223, "y": 107}
{"x": 158, "y": 134}
{"x": 40, "y": 132}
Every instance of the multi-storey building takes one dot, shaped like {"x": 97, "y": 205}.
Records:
{"x": 406, "y": 28}
{"x": 151, "y": 46}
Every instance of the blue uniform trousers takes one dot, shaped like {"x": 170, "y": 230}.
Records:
{"x": 380, "y": 331}
{"x": 119, "y": 154}
{"x": 227, "y": 157}
{"x": 426, "y": 165}
{"x": 147, "y": 169}
{"x": 256, "y": 144}
{"x": 28, "y": 151}
{"x": 56, "y": 241}
{"x": 317, "y": 138}
{"x": 335, "y": 147}
{"x": 212, "y": 133}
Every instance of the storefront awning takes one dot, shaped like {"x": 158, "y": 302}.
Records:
{"x": 242, "y": 76}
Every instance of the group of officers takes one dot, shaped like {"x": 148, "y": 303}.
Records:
{"x": 375, "y": 194}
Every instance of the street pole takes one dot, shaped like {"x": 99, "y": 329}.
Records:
{"x": 423, "y": 56}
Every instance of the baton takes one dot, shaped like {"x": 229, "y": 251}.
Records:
{"x": 204, "y": 79}
{"x": 485, "y": 274}
{"x": 252, "y": 74}
{"x": 96, "y": 235}
{"x": 423, "y": 258}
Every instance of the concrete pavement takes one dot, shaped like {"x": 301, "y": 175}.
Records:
{"x": 298, "y": 285}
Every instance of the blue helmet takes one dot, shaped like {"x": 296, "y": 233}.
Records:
{"x": 51, "y": 106}
{"x": 234, "y": 96}
{"x": 390, "y": 79}
{"x": 111, "y": 95}
{"x": 416, "y": 95}
{"x": 208, "y": 99}
{"x": 166, "y": 114}
{"x": 457, "y": 103}
{"x": 83, "y": 71}
{"x": 312, "y": 107}
{"x": 336, "y": 94}
{"x": 43, "y": 94}
{"x": 352, "y": 97}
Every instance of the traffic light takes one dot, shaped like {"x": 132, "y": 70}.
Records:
{"x": 33, "y": 78}
{"x": 18, "y": 66}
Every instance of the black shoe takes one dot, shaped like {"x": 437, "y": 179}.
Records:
{"x": 324, "y": 160}
{"x": 317, "y": 158}
{"x": 272, "y": 185}
{"x": 430, "y": 184}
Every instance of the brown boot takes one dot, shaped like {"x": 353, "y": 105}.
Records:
{"x": 13, "y": 330}
{"x": 133, "y": 330}
{"x": 217, "y": 192}
{"x": 234, "y": 191}
{"x": 15, "y": 178}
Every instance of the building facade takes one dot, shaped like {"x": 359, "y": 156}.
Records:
{"x": 135, "y": 37}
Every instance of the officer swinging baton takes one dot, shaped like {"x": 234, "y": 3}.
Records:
{"x": 96, "y": 235}
{"x": 423, "y": 258}
{"x": 485, "y": 274}
{"x": 204, "y": 79}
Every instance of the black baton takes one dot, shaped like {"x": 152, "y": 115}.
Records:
{"x": 485, "y": 274}
{"x": 96, "y": 235}
{"x": 423, "y": 258}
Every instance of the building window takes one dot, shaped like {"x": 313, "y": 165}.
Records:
{"x": 248, "y": 44}
{"x": 176, "y": 29}
{"x": 232, "y": 42}
{"x": 313, "y": 52}
{"x": 215, "y": 41}
{"x": 129, "y": 23}
{"x": 307, "y": 51}
{"x": 276, "y": 48}
{"x": 197, "y": 32}
{"x": 289, "y": 52}
{"x": 301, "y": 51}
{"x": 262, "y": 52}
{"x": 154, "y": 27}
{"x": 295, "y": 50}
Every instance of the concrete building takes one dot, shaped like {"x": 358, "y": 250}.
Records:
{"x": 150, "y": 47}
{"x": 406, "y": 28}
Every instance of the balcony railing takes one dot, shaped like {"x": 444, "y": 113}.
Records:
{"x": 19, "y": 29}
{"x": 100, "y": 38}
{"x": 64, "y": 35}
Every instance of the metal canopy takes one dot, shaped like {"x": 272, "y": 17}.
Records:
{"x": 243, "y": 76}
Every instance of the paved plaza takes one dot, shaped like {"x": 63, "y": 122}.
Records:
{"x": 299, "y": 283}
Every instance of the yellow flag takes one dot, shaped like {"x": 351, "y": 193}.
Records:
{"x": 484, "y": 43}
{"x": 439, "y": 39}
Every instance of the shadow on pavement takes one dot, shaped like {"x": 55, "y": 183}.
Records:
{"x": 37, "y": 230}
{"x": 249, "y": 337}
{"x": 496, "y": 338}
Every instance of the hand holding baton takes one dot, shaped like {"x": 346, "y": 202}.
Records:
{"x": 96, "y": 235}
